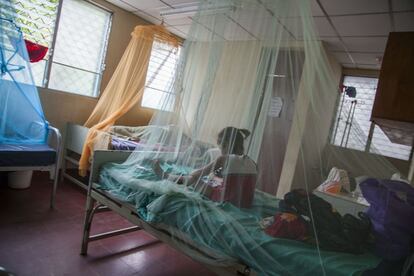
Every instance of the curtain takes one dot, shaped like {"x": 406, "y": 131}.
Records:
{"x": 126, "y": 86}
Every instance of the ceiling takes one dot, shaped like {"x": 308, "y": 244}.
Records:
{"x": 355, "y": 31}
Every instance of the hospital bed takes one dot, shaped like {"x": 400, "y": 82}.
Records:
{"x": 75, "y": 138}
{"x": 98, "y": 201}
{"x": 121, "y": 138}
{"x": 35, "y": 157}
{"x": 168, "y": 231}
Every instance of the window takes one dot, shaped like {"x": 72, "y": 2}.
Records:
{"x": 352, "y": 123}
{"x": 80, "y": 47}
{"x": 77, "y": 61}
{"x": 160, "y": 77}
{"x": 37, "y": 19}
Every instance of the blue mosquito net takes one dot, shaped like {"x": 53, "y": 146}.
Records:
{"x": 21, "y": 116}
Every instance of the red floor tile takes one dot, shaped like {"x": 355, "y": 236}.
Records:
{"x": 35, "y": 240}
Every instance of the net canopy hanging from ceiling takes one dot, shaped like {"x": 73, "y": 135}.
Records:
{"x": 253, "y": 99}
{"x": 21, "y": 117}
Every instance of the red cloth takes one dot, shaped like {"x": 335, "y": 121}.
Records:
{"x": 288, "y": 226}
{"x": 36, "y": 52}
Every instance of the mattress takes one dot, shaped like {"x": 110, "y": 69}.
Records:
{"x": 26, "y": 155}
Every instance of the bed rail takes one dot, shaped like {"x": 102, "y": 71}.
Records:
{"x": 101, "y": 157}
{"x": 75, "y": 137}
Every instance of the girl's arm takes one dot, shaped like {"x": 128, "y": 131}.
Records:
{"x": 191, "y": 178}
{"x": 206, "y": 170}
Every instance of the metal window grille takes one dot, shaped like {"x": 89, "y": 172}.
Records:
{"x": 80, "y": 48}
{"x": 37, "y": 20}
{"x": 352, "y": 123}
{"x": 160, "y": 77}
{"x": 79, "y": 42}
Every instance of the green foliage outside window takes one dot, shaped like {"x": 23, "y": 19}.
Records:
{"x": 37, "y": 19}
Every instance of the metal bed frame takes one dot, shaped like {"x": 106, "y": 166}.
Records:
{"x": 54, "y": 141}
{"x": 99, "y": 201}
{"x": 75, "y": 136}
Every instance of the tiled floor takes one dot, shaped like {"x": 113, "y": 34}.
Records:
{"x": 35, "y": 240}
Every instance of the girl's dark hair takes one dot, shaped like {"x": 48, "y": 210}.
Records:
{"x": 233, "y": 139}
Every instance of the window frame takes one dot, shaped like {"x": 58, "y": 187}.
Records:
{"x": 368, "y": 142}
{"x": 147, "y": 89}
{"x": 50, "y": 60}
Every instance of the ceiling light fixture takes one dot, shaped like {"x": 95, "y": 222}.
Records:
{"x": 277, "y": 76}
{"x": 192, "y": 9}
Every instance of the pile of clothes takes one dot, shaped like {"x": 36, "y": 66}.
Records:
{"x": 386, "y": 228}
{"x": 307, "y": 217}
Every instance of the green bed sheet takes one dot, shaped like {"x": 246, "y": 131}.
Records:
{"x": 230, "y": 231}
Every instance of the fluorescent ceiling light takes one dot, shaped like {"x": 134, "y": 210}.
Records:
{"x": 192, "y": 9}
{"x": 277, "y": 76}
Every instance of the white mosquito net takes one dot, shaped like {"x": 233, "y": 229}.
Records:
{"x": 242, "y": 139}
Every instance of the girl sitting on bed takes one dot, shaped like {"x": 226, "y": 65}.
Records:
{"x": 230, "y": 141}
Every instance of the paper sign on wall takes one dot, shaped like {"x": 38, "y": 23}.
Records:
{"x": 276, "y": 105}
